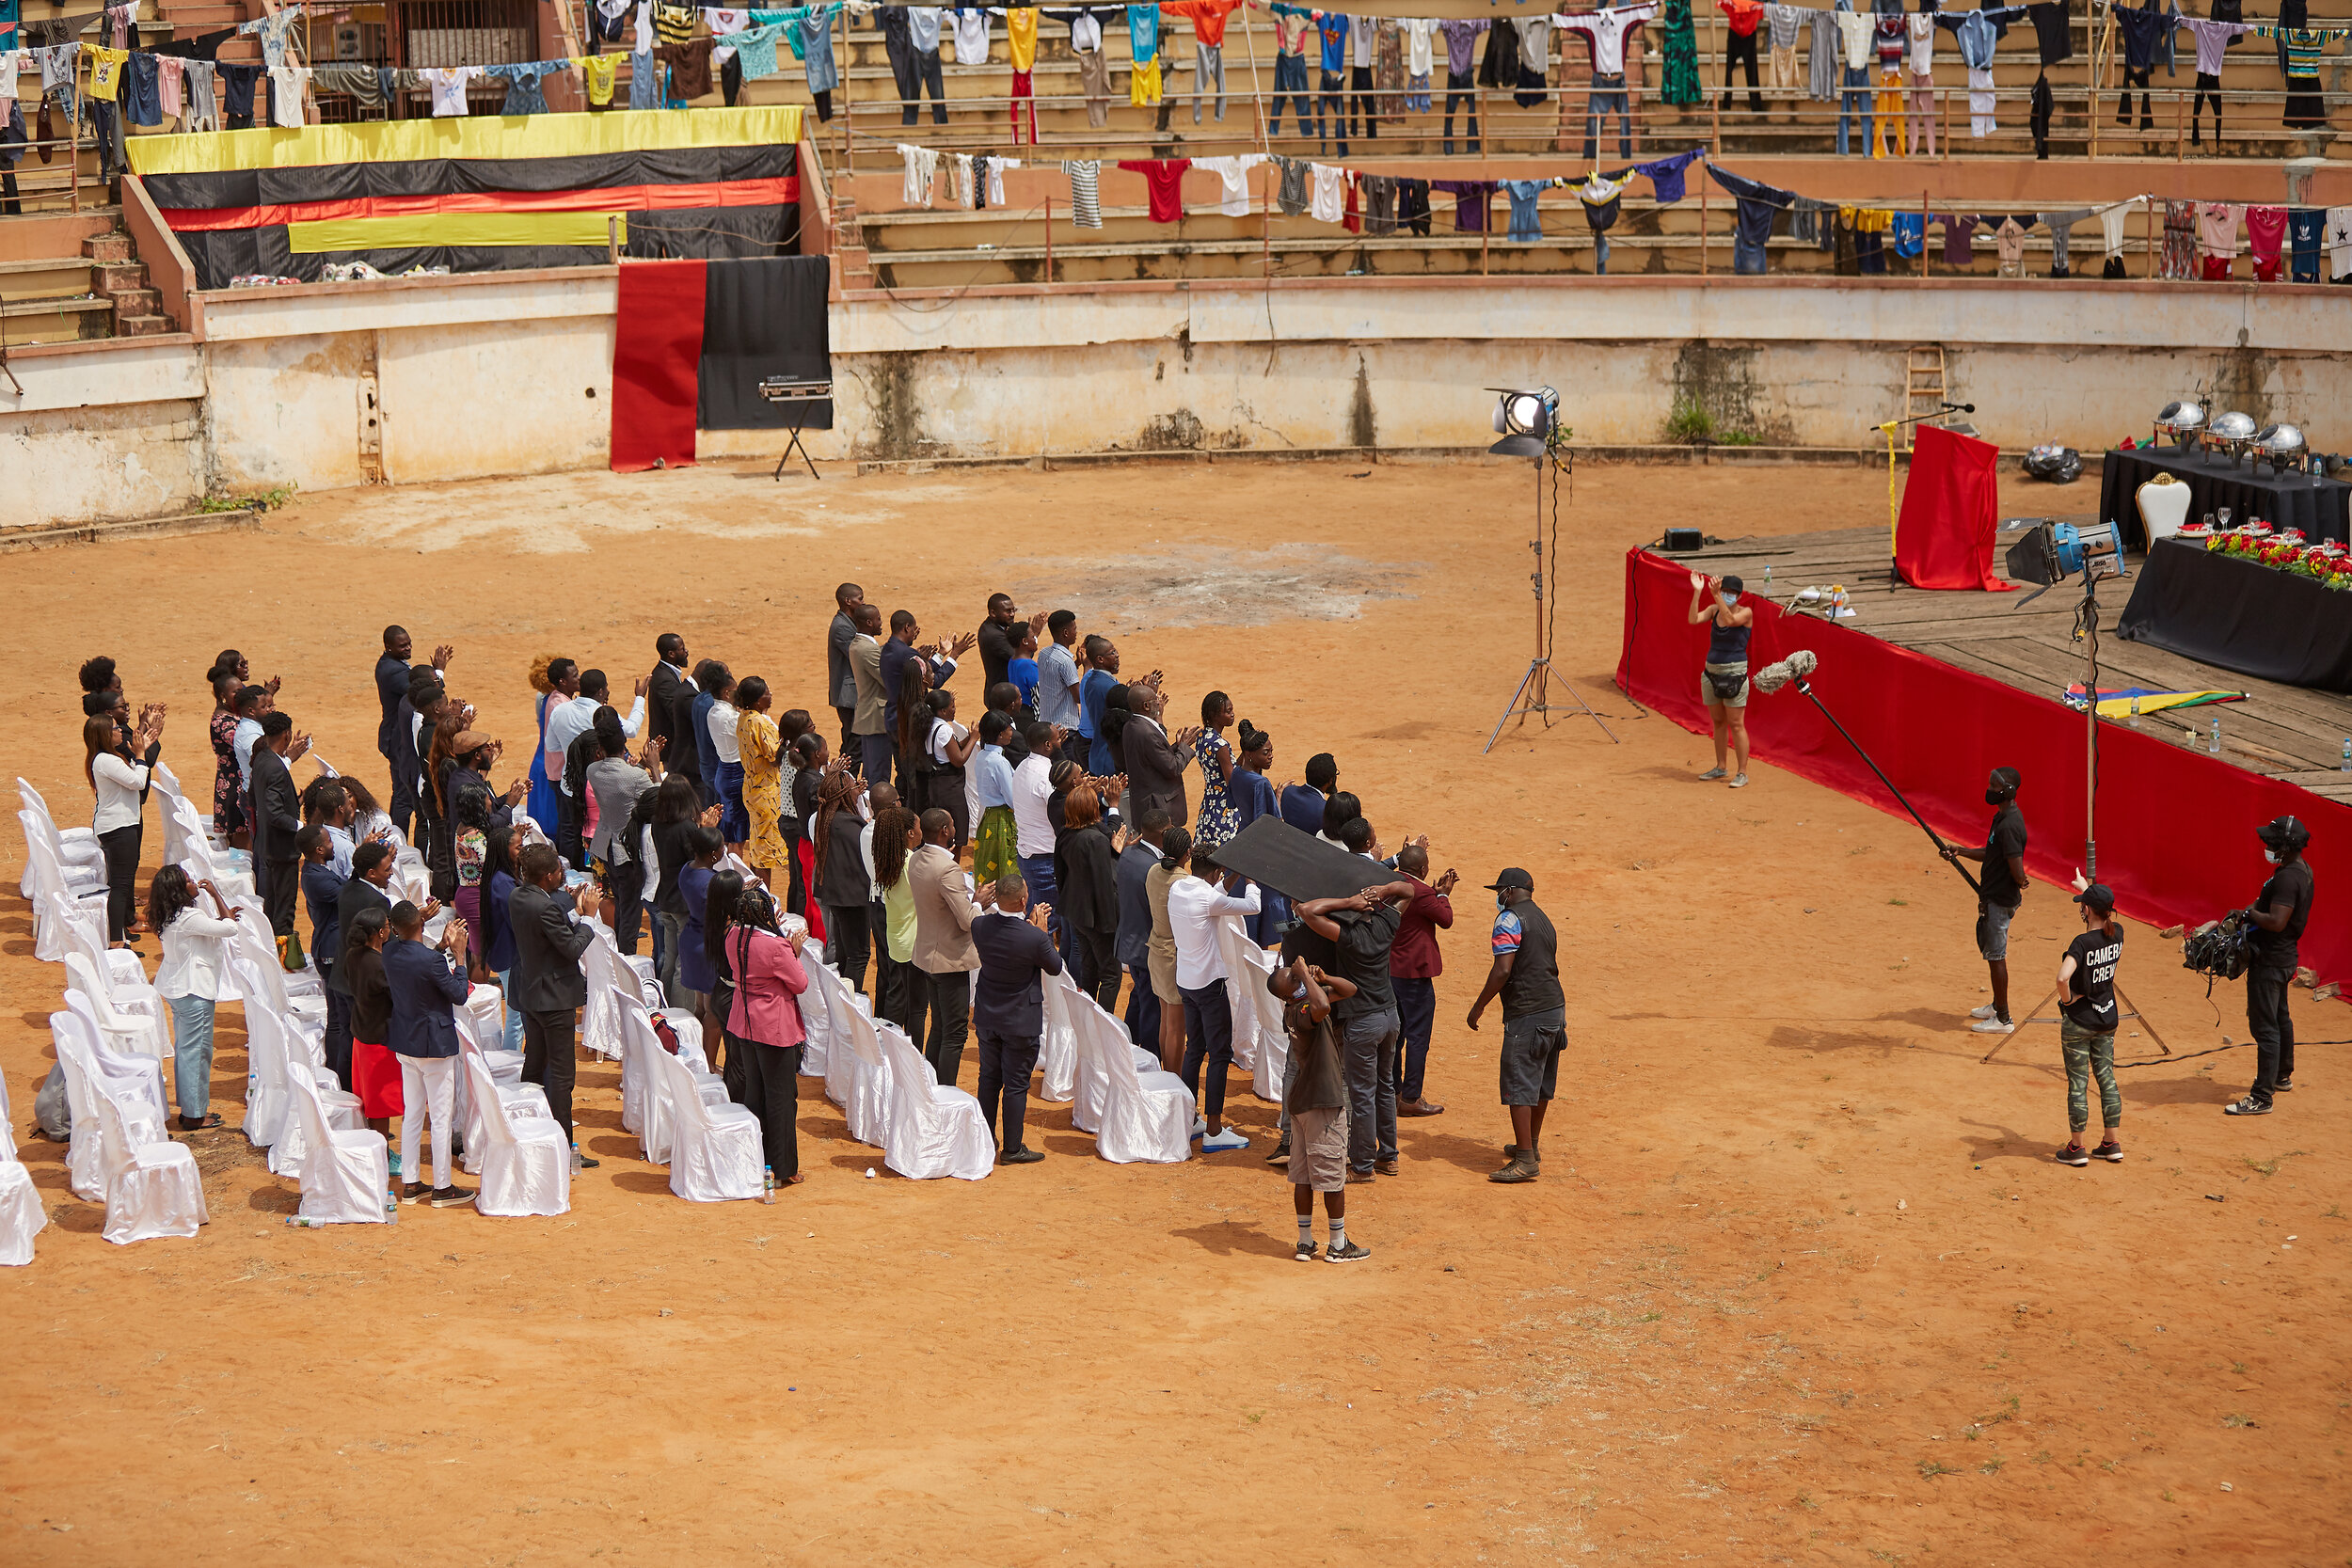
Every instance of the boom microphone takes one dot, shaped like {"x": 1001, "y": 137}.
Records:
{"x": 1794, "y": 668}
{"x": 1961, "y": 407}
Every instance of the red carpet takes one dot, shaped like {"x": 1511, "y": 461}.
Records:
{"x": 1952, "y": 510}
{"x": 657, "y": 357}
{"x": 2176, "y": 828}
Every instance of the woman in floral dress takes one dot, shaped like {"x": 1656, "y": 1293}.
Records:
{"x": 1218, "y": 820}
{"x": 227, "y": 818}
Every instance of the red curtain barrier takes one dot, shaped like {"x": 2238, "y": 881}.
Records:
{"x": 2176, "y": 826}
{"x": 657, "y": 364}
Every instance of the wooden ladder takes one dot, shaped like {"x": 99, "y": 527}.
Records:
{"x": 1923, "y": 389}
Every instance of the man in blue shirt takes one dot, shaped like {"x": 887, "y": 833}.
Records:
{"x": 1058, "y": 682}
{"x": 1102, "y": 657}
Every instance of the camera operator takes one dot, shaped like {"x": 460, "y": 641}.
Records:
{"x": 2279, "y": 916}
{"x": 2001, "y": 893}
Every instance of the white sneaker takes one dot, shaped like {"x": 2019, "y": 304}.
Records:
{"x": 1993, "y": 1026}
{"x": 1988, "y": 1010}
{"x": 1199, "y": 1126}
{"x": 1740, "y": 780}
{"x": 1712, "y": 774}
{"x": 1219, "y": 1142}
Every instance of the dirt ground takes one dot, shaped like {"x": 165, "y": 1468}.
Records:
{"x": 1695, "y": 1339}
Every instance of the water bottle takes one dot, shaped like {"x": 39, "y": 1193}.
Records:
{"x": 1768, "y": 577}
{"x": 2217, "y": 735}
{"x": 2134, "y": 713}
{"x": 2347, "y": 754}
{"x": 392, "y": 1206}
{"x": 767, "y": 1173}
{"x": 300, "y": 1223}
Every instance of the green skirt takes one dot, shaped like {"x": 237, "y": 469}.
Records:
{"x": 995, "y": 848}
{"x": 1680, "y": 83}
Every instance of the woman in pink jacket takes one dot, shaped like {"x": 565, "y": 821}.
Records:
{"x": 764, "y": 1025}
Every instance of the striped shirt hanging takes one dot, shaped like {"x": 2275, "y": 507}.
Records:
{"x": 1085, "y": 197}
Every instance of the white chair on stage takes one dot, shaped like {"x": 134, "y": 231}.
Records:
{"x": 715, "y": 1153}
{"x": 1257, "y": 1012}
{"x": 1058, "y": 1049}
{"x": 152, "y": 1187}
{"x": 345, "y": 1171}
{"x": 2163, "y": 506}
{"x": 935, "y": 1130}
{"x": 137, "y": 1082}
{"x": 524, "y": 1163}
{"x": 1146, "y": 1115}
{"x": 856, "y": 1077}
{"x": 123, "y": 1030}
{"x": 656, "y": 1118}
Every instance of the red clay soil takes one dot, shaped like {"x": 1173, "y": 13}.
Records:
{"x": 1800, "y": 1282}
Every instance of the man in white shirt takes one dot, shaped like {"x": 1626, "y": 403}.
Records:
{"x": 567, "y": 722}
{"x": 1033, "y": 827}
{"x": 1194, "y": 904}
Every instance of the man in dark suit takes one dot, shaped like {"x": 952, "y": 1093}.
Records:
{"x": 427, "y": 988}
{"x": 1009, "y": 1007}
{"x": 840, "y": 679}
{"x": 277, "y": 818}
{"x": 1155, "y": 764}
{"x": 1302, "y": 804}
{"x": 1133, "y": 945}
{"x": 549, "y": 985}
{"x": 391, "y": 689}
{"x": 662, "y": 690}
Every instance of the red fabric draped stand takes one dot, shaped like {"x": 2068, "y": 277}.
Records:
{"x": 657, "y": 364}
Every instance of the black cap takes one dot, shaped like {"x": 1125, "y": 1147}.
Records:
{"x": 2099, "y": 896}
{"x": 2285, "y": 833}
{"x": 1732, "y": 585}
{"x": 1512, "y": 876}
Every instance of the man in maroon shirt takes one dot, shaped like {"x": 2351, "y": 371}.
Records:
{"x": 1414, "y": 963}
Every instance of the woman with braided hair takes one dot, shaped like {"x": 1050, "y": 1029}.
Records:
{"x": 844, "y": 883}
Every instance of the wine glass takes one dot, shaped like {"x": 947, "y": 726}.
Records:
{"x": 2223, "y": 513}
{"x": 2208, "y": 522}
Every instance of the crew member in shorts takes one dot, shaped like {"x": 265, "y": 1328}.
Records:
{"x": 1724, "y": 683}
{"x": 2002, "y": 893}
{"x": 1526, "y": 974}
{"x": 1316, "y": 1101}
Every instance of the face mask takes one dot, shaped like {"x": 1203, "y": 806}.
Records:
{"x": 1501, "y": 903}
{"x": 1729, "y": 599}
{"x": 2271, "y": 855}
{"x": 1995, "y": 796}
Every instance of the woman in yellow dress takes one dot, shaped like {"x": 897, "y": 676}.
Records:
{"x": 761, "y": 747}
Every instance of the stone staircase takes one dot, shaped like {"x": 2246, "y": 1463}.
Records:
{"x": 65, "y": 277}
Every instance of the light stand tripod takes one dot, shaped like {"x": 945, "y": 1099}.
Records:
{"x": 1535, "y": 688}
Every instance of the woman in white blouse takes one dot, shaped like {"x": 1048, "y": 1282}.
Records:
{"x": 189, "y": 983}
{"x": 120, "y": 784}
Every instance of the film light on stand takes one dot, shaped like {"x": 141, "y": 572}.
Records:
{"x": 1525, "y": 420}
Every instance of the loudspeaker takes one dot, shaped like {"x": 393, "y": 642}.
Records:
{"x": 1682, "y": 539}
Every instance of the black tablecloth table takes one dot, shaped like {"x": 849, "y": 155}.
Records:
{"x": 2240, "y": 615}
{"x": 2322, "y": 508}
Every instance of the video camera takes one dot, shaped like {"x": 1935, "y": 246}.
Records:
{"x": 2223, "y": 951}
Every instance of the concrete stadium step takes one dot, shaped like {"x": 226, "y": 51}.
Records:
{"x": 46, "y": 277}
{"x": 56, "y": 321}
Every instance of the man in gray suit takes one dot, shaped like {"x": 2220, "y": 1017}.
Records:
{"x": 943, "y": 942}
{"x": 1155, "y": 764}
{"x": 549, "y": 985}
{"x": 840, "y": 680}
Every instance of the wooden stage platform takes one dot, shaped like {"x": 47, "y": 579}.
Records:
{"x": 2281, "y": 732}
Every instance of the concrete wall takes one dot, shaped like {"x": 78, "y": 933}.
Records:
{"x": 508, "y": 373}
{"x": 1397, "y": 363}
{"x": 102, "y": 430}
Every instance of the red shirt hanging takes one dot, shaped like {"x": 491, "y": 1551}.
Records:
{"x": 1166, "y": 178}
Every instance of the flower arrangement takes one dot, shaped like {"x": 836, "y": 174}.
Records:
{"x": 2326, "y": 564}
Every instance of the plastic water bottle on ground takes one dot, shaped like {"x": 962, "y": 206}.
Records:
{"x": 2347, "y": 754}
{"x": 2134, "y": 713}
{"x": 2217, "y": 735}
{"x": 766, "y": 1183}
{"x": 301, "y": 1223}
{"x": 392, "y": 1206}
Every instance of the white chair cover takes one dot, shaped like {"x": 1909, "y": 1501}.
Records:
{"x": 525, "y": 1165}
{"x": 55, "y": 913}
{"x": 935, "y": 1130}
{"x": 22, "y": 1216}
{"x": 346, "y": 1174}
{"x": 657, "y": 1119}
{"x": 1257, "y": 1013}
{"x": 268, "y": 1040}
{"x": 600, "y": 1020}
{"x": 816, "y": 1018}
{"x": 81, "y": 861}
{"x": 138, "y": 1083}
{"x": 153, "y": 1189}
{"x": 715, "y": 1150}
{"x": 124, "y": 1029}
{"x": 1146, "y": 1115}
{"x": 300, "y": 998}
{"x": 127, "y": 984}
{"x": 515, "y": 1097}
{"x": 8, "y": 1134}
{"x": 229, "y": 870}
{"x": 1057, "y": 1051}
{"x": 856, "y": 1077}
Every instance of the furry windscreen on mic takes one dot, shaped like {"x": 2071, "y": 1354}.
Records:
{"x": 1795, "y": 667}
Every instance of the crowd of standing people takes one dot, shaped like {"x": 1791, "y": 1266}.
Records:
{"x": 1071, "y": 825}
